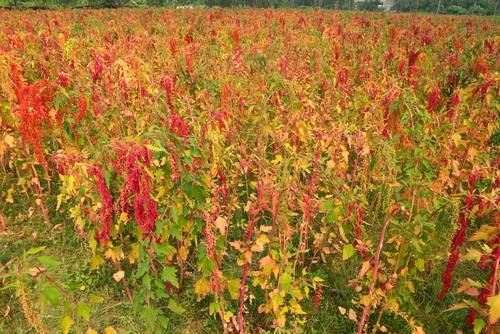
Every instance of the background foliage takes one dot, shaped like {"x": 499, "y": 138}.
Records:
{"x": 456, "y": 7}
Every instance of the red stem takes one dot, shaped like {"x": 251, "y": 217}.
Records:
{"x": 495, "y": 270}
{"x": 367, "y": 308}
{"x": 246, "y": 268}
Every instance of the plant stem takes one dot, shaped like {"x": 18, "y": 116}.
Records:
{"x": 367, "y": 308}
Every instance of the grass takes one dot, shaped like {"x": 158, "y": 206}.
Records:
{"x": 62, "y": 242}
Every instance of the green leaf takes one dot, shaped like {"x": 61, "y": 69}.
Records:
{"x": 479, "y": 324}
{"x": 161, "y": 293}
{"x": 206, "y": 265}
{"x": 163, "y": 321}
{"x": 146, "y": 280}
{"x": 67, "y": 128}
{"x": 326, "y": 206}
{"x": 107, "y": 178}
{"x": 92, "y": 244}
{"x": 66, "y": 323}
{"x": 51, "y": 293}
{"x": 95, "y": 299}
{"x": 164, "y": 249}
{"x": 202, "y": 252}
{"x": 373, "y": 162}
{"x": 84, "y": 310}
{"x": 347, "y": 251}
{"x": 175, "y": 307}
{"x": 233, "y": 286}
{"x": 175, "y": 215}
{"x": 169, "y": 274}
{"x": 143, "y": 268}
{"x": 330, "y": 217}
{"x": 285, "y": 281}
{"x": 35, "y": 250}
{"x": 214, "y": 307}
{"x": 176, "y": 231}
{"x": 420, "y": 264}
{"x": 149, "y": 315}
{"x": 48, "y": 261}
{"x": 194, "y": 191}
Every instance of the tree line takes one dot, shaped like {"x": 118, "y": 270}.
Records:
{"x": 460, "y": 7}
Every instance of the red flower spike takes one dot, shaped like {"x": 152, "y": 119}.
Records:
{"x": 106, "y": 204}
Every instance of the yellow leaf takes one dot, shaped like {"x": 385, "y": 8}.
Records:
{"x": 155, "y": 148}
{"x": 472, "y": 153}
{"x": 457, "y": 139}
{"x": 115, "y": 254}
{"x": 342, "y": 233}
{"x": 66, "y": 324}
{"x": 123, "y": 217}
{"x": 202, "y": 287}
{"x": 91, "y": 331}
{"x": 233, "y": 286}
{"x": 485, "y": 233}
{"x": 365, "y": 300}
{"x": 227, "y": 316}
{"x": 183, "y": 253}
{"x": 473, "y": 255}
{"x": 96, "y": 262}
{"x": 60, "y": 198}
{"x": 494, "y": 304}
{"x": 345, "y": 153}
{"x": 133, "y": 255}
{"x": 419, "y": 330}
{"x": 277, "y": 159}
{"x": 257, "y": 248}
{"x": 280, "y": 320}
{"x": 10, "y": 198}
{"x": 110, "y": 330}
{"x": 259, "y": 243}
{"x": 393, "y": 305}
{"x": 296, "y": 308}
{"x": 267, "y": 264}
{"x": 9, "y": 140}
{"x": 342, "y": 310}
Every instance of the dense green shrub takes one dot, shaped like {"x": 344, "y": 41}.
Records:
{"x": 456, "y": 10}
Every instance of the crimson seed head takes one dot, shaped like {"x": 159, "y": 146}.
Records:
{"x": 106, "y": 204}
{"x": 434, "y": 99}
{"x": 317, "y": 298}
{"x": 97, "y": 70}
{"x": 135, "y": 195}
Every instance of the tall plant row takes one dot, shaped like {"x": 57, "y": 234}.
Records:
{"x": 248, "y": 157}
